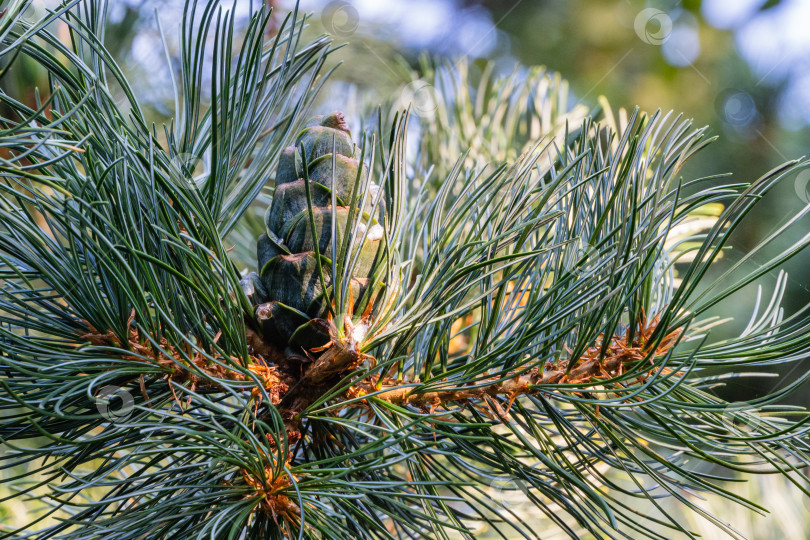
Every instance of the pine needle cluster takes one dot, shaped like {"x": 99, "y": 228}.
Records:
{"x": 538, "y": 312}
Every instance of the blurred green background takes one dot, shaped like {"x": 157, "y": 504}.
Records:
{"x": 742, "y": 67}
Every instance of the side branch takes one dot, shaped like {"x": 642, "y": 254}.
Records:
{"x": 174, "y": 362}
{"x": 591, "y": 368}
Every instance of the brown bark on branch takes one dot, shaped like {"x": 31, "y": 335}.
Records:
{"x": 174, "y": 362}
{"x": 295, "y": 381}
{"x": 592, "y": 367}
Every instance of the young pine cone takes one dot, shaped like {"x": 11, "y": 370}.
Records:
{"x": 291, "y": 296}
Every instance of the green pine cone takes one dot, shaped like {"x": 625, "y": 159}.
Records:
{"x": 291, "y": 297}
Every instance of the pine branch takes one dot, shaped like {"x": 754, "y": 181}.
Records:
{"x": 593, "y": 368}
{"x": 519, "y": 304}
{"x": 188, "y": 366}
